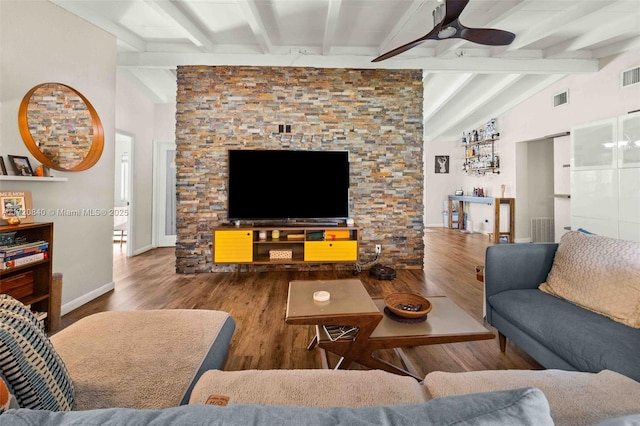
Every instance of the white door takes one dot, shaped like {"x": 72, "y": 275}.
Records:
{"x": 123, "y": 226}
{"x": 164, "y": 205}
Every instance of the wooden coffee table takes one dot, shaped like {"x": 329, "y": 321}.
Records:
{"x": 351, "y": 305}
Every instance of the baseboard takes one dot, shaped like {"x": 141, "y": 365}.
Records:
{"x": 522, "y": 240}
{"x": 435, "y": 225}
{"x": 74, "y": 304}
{"x": 143, "y": 249}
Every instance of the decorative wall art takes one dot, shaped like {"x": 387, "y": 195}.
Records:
{"x": 442, "y": 164}
{"x": 16, "y": 204}
{"x": 3, "y": 168}
{"x": 21, "y": 165}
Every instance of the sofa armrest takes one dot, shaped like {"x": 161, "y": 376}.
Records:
{"x": 517, "y": 266}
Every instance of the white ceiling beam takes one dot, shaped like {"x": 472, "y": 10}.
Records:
{"x": 472, "y": 105}
{"x": 508, "y": 101}
{"x": 615, "y": 48}
{"x": 407, "y": 16}
{"x": 84, "y": 11}
{"x": 478, "y": 65}
{"x": 607, "y": 31}
{"x": 254, "y": 20}
{"x": 435, "y": 104}
{"x": 330, "y": 25}
{"x": 555, "y": 22}
{"x": 171, "y": 11}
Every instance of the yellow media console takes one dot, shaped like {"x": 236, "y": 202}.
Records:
{"x": 261, "y": 245}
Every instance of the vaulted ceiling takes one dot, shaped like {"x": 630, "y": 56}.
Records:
{"x": 465, "y": 83}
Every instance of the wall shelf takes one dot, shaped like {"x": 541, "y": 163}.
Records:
{"x": 34, "y": 178}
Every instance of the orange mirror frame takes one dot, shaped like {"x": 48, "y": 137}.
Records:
{"x": 60, "y": 127}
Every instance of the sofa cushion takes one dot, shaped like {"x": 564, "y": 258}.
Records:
{"x": 140, "y": 359}
{"x": 317, "y": 388}
{"x": 598, "y": 273}
{"x": 514, "y": 407}
{"x": 588, "y": 341}
{"x": 29, "y": 364}
{"x": 575, "y": 398}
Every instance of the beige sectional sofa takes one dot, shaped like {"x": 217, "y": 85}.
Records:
{"x": 574, "y": 398}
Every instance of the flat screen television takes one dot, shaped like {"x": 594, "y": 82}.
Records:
{"x": 288, "y": 185}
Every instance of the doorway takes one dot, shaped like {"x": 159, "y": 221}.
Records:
{"x": 123, "y": 192}
{"x": 164, "y": 191}
{"x": 535, "y": 189}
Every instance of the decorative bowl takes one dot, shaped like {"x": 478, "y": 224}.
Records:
{"x": 407, "y": 305}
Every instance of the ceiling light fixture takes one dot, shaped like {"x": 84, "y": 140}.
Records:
{"x": 447, "y": 32}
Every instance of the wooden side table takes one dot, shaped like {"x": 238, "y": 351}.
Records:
{"x": 496, "y": 202}
{"x": 350, "y": 305}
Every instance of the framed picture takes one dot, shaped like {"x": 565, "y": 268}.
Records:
{"x": 3, "y": 167}
{"x": 21, "y": 165}
{"x": 442, "y": 164}
{"x": 16, "y": 203}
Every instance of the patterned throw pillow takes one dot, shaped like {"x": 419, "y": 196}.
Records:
{"x": 29, "y": 364}
{"x": 598, "y": 273}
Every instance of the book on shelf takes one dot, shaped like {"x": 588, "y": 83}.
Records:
{"x": 40, "y": 316}
{"x": 23, "y": 248}
{"x": 6, "y": 258}
{"x": 14, "y": 263}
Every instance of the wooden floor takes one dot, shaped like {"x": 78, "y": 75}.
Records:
{"x": 257, "y": 302}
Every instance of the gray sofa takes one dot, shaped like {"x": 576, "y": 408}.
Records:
{"x": 557, "y": 333}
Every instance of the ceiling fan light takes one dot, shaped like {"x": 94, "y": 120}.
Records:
{"x": 447, "y": 32}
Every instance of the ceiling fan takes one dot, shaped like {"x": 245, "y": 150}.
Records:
{"x": 449, "y": 26}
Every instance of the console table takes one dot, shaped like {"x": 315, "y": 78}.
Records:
{"x": 289, "y": 244}
{"x": 496, "y": 202}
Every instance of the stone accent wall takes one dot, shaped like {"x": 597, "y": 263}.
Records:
{"x": 374, "y": 114}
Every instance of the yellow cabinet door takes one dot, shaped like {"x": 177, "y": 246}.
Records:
{"x": 331, "y": 251}
{"x": 232, "y": 246}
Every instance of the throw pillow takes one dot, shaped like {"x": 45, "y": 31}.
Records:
{"x": 29, "y": 364}
{"x": 599, "y": 273}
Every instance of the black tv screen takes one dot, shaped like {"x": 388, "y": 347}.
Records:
{"x": 288, "y": 184}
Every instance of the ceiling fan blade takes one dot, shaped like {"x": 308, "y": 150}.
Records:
{"x": 452, "y": 10}
{"x": 487, "y": 36}
{"x": 404, "y": 47}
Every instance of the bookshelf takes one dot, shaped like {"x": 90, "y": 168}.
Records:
{"x": 39, "y": 296}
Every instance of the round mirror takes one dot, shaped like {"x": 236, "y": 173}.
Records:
{"x": 60, "y": 127}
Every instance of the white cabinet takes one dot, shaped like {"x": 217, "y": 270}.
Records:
{"x": 629, "y": 140}
{"x": 594, "y": 146}
{"x": 605, "y": 177}
{"x": 594, "y": 201}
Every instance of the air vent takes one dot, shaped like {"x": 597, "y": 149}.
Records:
{"x": 631, "y": 76}
{"x": 561, "y": 99}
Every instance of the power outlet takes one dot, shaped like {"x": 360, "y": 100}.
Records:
{"x": 378, "y": 249}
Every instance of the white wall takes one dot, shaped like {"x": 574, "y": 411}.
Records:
{"x": 145, "y": 122}
{"x": 135, "y": 114}
{"x": 40, "y": 43}
{"x": 592, "y": 97}
{"x": 540, "y": 158}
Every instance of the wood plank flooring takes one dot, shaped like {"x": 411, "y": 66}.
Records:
{"x": 257, "y": 302}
